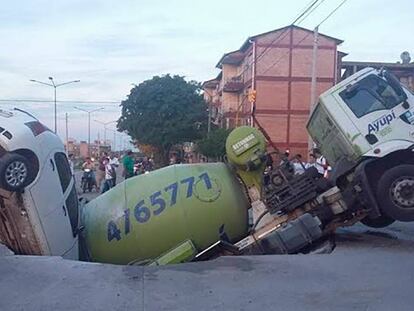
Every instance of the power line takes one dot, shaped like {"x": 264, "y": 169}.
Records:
{"x": 60, "y": 101}
{"x": 307, "y": 5}
{"x": 333, "y": 11}
{"x": 311, "y": 11}
{"x": 284, "y": 33}
{"x": 280, "y": 58}
{"x": 307, "y": 35}
{"x": 307, "y": 10}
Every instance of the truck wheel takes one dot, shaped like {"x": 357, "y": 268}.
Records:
{"x": 14, "y": 172}
{"x": 395, "y": 192}
{"x": 379, "y": 222}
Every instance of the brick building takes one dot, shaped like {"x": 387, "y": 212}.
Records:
{"x": 278, "y": 66}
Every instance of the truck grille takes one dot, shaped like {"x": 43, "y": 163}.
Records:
{"x": 286, "y": 192}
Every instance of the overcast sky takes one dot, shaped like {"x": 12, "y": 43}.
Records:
{"x": 110, "y": 44}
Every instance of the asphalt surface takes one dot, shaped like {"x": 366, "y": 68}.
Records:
{"x": 370, "y": 269}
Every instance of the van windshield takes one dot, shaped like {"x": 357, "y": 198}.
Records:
{"x": 370, "y": 94}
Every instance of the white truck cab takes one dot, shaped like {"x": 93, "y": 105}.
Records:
{"x": 365, "y": 128}
{"x": 38, "y": 199}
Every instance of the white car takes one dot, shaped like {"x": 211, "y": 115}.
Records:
{"x": 38, "y": 199}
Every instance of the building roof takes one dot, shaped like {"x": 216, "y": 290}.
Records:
{"x": 212, "y": 83}
{"x": 400, "y": 66}
{"x": 342, "y": 54}
{"x": 235, "y": 57}
{"x": 232, "y": 58}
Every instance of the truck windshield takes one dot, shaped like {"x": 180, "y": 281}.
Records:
{"x": 370, "y": 94}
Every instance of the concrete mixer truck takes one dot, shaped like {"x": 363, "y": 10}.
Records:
{"x": 195, "y": 212}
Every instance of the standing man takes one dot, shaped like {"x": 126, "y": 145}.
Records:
{"x": 321, "y": 164}
{"x": 298, "y": 164}
{"x": 71, "y": 164}
{"x": 109, "y": 175}
{"x": 100, "y": 173}
{"x": 128, "y": 163}
{"x": 115, "y": 163}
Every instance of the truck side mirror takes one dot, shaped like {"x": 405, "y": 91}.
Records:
{"x": 395, "y": 84}
{"x": 406, "y": 105}
{"x": 371, "y": 138}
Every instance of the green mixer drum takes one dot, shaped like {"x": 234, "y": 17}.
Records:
{"x": 150, "y": 214}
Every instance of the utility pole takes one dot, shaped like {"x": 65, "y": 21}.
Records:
{"x": 314, "y": 75}
{"x": 253, "y": 87}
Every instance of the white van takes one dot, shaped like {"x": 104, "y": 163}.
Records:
{"x": 39, "y": 211}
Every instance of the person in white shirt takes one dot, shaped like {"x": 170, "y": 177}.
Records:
{"x": 71, "y": 165}
{"x": 115, "y": 164}
{"x": 312, "y": 161}
{"x": 109, "y": 175}
{"x": 321, "y": 164}
{"x": 298, "y": 165}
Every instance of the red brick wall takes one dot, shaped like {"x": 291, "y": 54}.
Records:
{"x": 283, "y": 89}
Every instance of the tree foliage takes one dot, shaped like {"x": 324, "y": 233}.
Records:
{"x": 214, "y": 146}
{"x": 147, "y": 150}
{"x": 164, "y": 111}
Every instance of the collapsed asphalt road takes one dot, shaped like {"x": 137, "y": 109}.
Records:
{"x": 370, "y": 269}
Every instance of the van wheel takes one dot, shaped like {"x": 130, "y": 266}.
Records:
{"x": 14, "y": 172}
{"x": 379, "y": 222}
{"x": 395, "y": 192}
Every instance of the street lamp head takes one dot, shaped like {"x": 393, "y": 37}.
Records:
{"x": 51, "y": 78}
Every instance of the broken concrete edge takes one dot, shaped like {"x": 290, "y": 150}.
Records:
{"x": 5, "y": 251}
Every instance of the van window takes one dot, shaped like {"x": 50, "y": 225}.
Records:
{"x": 63, "y": 168}
{"x": 73, "y": 210}
{"x": 370, "y": 94}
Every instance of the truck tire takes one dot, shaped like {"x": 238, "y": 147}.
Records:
{"x": 379, "y": 222}
{"x": 14, "y": 172}
{"x": 395, "y": 192}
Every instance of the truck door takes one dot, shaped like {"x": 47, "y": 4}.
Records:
{"x": 376, "y": 108}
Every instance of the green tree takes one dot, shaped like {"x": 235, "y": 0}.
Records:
{"x": 162, "y": 112}
{"x": 214, "y": 146}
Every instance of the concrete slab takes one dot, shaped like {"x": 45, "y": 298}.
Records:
{"x": 5, "y": 251}
{"x": 369, "y": 270}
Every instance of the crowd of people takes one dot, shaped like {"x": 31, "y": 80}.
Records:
{"x": 298, "y": 166}
{"x": 104, "y": 170}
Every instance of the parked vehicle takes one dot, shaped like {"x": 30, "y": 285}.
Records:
{"x": 37, "y": 190}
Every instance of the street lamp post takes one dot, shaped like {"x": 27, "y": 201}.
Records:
{"x": 55, "y": 86}
{"x": 115, "y": 135}
{"x": 89, "y": 124}
{"x": 105, "y": 128}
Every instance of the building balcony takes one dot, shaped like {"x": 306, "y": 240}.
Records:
{"x": 234, "y": 85}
